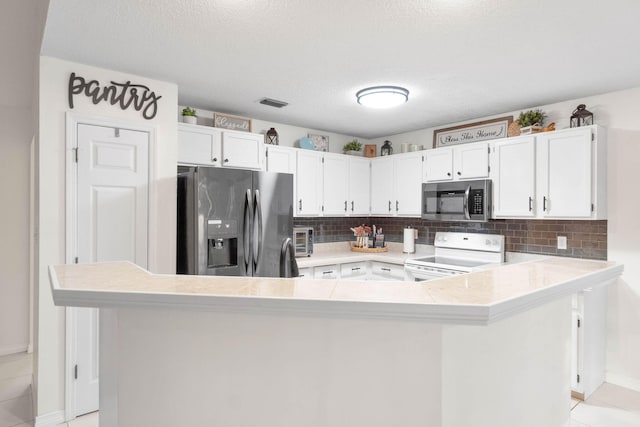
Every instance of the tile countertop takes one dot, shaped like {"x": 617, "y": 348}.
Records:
{"x": 476, "y": 298}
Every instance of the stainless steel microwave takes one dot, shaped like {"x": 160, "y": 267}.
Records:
{"x": 457, "y": 201}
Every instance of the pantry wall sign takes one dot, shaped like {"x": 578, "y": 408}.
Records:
{"x": 472, "y": 132}
{"x": 125, "y": 95}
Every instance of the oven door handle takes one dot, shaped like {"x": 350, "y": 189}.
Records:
{"x": 465, "y": 206}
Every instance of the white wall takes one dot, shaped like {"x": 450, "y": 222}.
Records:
{"x": 288, "y": 135}
{"x": 618, "y": 112}
{"x": 54, "y": 77}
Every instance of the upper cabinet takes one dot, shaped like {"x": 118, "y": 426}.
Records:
{"x": 396, "y": 185}
{"x": 359, "y": 183}
{"x": 460, "y": 162}
{"x": 513, "y": 172}
{"x": 308, "y": 183}
{"x": 335, "y": 192}
{"x": 559, "y": 174}
{"x": 210, "y": 146}
{"x": 281, "y": 159}
{"x": 572, "y": 173}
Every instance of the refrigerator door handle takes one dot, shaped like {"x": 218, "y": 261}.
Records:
{"x": 246, "y": 237}
{"x": 257, "y": 226}
{"x": 288, "y": 248}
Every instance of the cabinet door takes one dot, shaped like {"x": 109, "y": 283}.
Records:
{"x": 359, "y": 186}
{"x": 353, "y": 271}
{"x": 407, "y": 184}
{"x": 281, "y": 159}
{"x": 326, "y": 272}
{"x": 565, "y": 173}
{"x": 386, "y": 271}
{"x": 438, "y": 165}
{"x": 471, "y": 161}
{"x": 308, "y": 182}
{"x": 199, "y": 145}
{"x": 513, "y": 174}
{"x": 242, "y": 150}
{"x": 382, "y": 186}
{"x": 335, "y": 188}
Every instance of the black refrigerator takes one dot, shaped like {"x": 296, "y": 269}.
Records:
{"x": 234, "y": 222}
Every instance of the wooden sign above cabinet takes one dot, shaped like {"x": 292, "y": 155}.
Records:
{"x": 126, "y": 94}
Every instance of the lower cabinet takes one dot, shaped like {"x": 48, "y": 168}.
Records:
{"x": 327, "y": 272}
{"x": 354, "y": 270}
{"x": 386, "y": 271}
{"x": 361, "y": 270}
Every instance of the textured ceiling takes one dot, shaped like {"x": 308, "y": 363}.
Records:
{"x": 460, "y": 59}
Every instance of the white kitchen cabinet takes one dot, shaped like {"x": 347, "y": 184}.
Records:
{"x": 308, "y": 183}
{"x": 305, "y": 273}
{"x": 461, "y": 162}
{"x": 335, "y": 192}
{"x": 407, "y": 184}
{"x": 281, "y": 159}
{"x": 438, "y": 165}
{"x": 354, "y": 270}
{"x": 572, "y": 173}
{"x": 396, "y": 184}
{"x": 513, "y": 173}
{"x": 209, "y": 146}
{"x": 386, "y": 271}
{"x": 382, "y": 186}
{"x": 359, "y": 184}
{"x": 326, "y": 272}
{"x": 199, "y": 145}
{"x": 589, "y": 333}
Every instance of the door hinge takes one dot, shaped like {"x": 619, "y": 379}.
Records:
{"x": 322, "y": 208}
{"x": 489, "y": 150}
{"x": 578, "y": 377}
{"x": 75, "y": 260}
{"x": 323, "y": 160}
{"x": 75, "y": 154}
{"x": 578, "y": 323}
{"x": 489, "y": 169}
{"x": 75, "y": 372}
{"x": 593, "y": 207}
{"x": 266, "y": 152}
{"x": 593, "y": 137}
{"x": 117, "y": 131}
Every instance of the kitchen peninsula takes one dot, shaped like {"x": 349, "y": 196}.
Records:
{"x": 490, "y": 348}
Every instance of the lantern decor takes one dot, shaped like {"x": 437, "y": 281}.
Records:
{"x": 272, "y": 137}
{"x": 581, "y": 117}
{"x": 386, "y": 149}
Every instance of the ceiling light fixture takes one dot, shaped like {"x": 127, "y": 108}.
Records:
{"x": 382, "y": 96}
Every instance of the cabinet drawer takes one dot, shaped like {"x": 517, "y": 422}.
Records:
{"x": 326, "y": 272}
{"x": 306, "y": 273}
{"x": 385, "y": 271}
{"x": 353, "y": 270}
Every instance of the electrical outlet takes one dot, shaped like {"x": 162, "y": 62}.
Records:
{"x": 562, "y": 242}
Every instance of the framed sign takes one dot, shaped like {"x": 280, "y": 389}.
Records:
{"x": 227, "y": 121}
{"x": 472, "y": 132}
{"x": 321, "y": 142}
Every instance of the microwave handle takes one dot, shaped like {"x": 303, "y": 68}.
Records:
{"x": 465, "y": 207}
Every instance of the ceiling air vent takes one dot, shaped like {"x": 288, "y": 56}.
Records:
{"x": 273, "y": 102}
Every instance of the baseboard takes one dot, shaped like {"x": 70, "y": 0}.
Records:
{"x": 12, "y": 349}
{"x": 51, "y": 419}
{"x": 623, "y": 381}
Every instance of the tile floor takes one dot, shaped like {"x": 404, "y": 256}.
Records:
{"x": 609, "y": 406}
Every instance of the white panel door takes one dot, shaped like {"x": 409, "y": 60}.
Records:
{"x": 407, "y": 184}
{"x": 112, "y": 208}
{"x": 471, "y": 161}
{"x": 382, "y": 186}
{"x": 438, "y": 165}
{"x": 514, "y": 177}
{"x": 242, "y": 150}
{"x": 359, "y": 186}
{"x": 308, "y": 182}
{"x": 335, "y": 188}
{"x": 199, "y": 145}
{"x": 566, "y": 165}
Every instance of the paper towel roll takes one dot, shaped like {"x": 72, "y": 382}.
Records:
{"x": 409, "y": 245}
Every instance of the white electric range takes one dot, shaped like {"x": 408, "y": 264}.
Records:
{"x": 456, "y": 253}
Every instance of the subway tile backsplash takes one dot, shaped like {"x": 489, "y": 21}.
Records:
{"x": 585, "y": 239}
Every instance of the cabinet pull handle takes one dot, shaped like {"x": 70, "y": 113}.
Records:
{"x": 530, "y": 204}
{"x": 345, "y": 205}
{"x": 544, "y": 204}
{"x": 300, "y": 205}
{"x": 389, "y": 205}
{"x": 448, "y": 173}
{"x": 226, "y": 160}
{"x": 352, "y": 206}
{"x": 459, "y": 173}
{"x": 355, "y": 268}
{"x": 397, "y": 204}
{"x": 386, "y": 269}
{"x": 328, "y": 272}
{"x": 215, "y": 159}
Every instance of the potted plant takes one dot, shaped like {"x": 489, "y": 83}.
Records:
{"x": 530, "y": 121}
{"x": 189, "y": 115}
{"x": 353, "y": 148}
